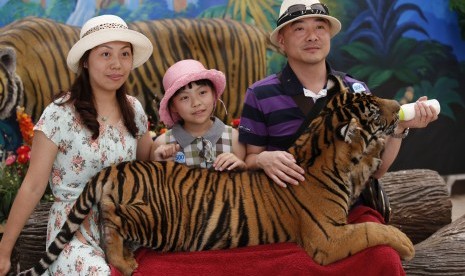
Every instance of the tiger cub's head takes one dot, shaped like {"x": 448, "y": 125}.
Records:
{"x": 348, "y": 135}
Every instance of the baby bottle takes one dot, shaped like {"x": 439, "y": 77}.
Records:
{"x": 407, "y": 111}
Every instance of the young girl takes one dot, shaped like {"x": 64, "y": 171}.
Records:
{"x": 196, "y": 138}
{"x": 91, "y": 126}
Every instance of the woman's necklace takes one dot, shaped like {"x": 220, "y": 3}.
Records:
{"x": 105, "y": 118}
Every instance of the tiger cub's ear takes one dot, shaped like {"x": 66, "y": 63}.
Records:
{"x": 335, "y": 83}
{"x": 8, "y": 59}
{"x": 348, "y": 131}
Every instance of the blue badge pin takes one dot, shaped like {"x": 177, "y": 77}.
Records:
{"x": 180, "y": 157}
{"x": 358, "y": 87}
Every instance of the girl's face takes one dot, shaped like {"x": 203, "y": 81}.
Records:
{"x": 194, "y": 104}
{"x": 109, "y": 65}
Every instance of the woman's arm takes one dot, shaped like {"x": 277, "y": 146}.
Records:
{"x": 144, "y": 145}
{"x": 43, "y": 154}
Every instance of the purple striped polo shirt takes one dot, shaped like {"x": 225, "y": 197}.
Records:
{"x": 270, "y": 117}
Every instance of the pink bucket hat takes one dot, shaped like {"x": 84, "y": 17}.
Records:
{"x": 179, "y": 75}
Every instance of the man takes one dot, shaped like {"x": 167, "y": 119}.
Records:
{"x": 277, "y": 107}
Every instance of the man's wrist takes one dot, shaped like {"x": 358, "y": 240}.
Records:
{"x": 400, "y": 134}
{"x": 257, "y": 161}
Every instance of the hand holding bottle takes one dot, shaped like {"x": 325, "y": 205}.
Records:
{"x": 407, "y": 111}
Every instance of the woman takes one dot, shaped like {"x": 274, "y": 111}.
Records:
{"x": 91, "y": 126}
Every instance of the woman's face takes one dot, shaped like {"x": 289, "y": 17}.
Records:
{"x": 109, "y": 65}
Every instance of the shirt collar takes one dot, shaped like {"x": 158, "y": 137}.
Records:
{"x": 291, "y": 83}
{"x": 184, "y": 138}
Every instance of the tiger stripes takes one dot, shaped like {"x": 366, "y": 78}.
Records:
{"x": 170, "y": 207}
{"x": 10, "y": 83}
{"x": 41, "y": 46}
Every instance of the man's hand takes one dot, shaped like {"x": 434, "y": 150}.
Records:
{"x": 424, "y": 115}
{"x": 281, "y": 167}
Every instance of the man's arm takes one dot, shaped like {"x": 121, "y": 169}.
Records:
{"x": 424, "y": 115}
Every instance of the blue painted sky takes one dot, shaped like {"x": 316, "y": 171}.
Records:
{"x": 442, "y": 25}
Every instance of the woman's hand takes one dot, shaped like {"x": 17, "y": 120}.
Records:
{"x": 5, "y": 264}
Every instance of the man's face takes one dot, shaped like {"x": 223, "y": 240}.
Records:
{"x": 306, "y": 40}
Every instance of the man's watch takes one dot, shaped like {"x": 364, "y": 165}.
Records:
{"x": 401, "y": 135}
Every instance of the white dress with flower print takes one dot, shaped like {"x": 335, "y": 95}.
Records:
{"x": 78, "y": 159}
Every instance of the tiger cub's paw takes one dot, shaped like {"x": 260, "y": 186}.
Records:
{"x": 127, "y": 267}
{"x": 403, "y": 245}
{"x": 132, "y": 263}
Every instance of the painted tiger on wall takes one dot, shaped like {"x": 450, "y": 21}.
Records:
{"x": 36, "y": 50}
{"x": 198, "y": 209}
{"x": 33, "y": 51}
{"x": 10, "y": 84}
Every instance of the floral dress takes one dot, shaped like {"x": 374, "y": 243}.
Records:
{"x": 79, "y": 158}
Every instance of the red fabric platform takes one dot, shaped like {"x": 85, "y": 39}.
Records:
{"x": 272, "y": 259}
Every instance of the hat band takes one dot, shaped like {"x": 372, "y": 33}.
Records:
{"x": 301, "y": 9}
{"x": 103, "y": 27}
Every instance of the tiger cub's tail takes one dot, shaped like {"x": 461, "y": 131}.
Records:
{"x": 90, "y": 195}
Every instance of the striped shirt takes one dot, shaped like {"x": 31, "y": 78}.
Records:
{"x": 270, "y": 116}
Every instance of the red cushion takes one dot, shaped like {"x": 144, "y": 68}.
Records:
{"x": 271, "y": 259}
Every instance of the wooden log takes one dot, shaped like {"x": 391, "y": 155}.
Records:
{"x": 31, "y": 242}
{"x": 441, "y": 254}
{"x": 419, "y": 200}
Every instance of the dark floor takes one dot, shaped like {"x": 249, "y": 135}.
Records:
{"x": 458, "y": 199}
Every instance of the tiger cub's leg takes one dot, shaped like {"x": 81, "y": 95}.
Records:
{"x": 372, "y": 158}
{"x": 112, "y": 240}
{"x": 352, "y": 238}
{"x": 369, "y": 164}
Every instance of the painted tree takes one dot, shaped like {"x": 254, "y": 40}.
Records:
{"x": 375, "y": 42}
{"x": 459, "y": 7}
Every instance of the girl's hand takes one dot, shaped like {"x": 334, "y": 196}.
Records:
{"x": 166, "y": 152}
{"x": 228, "y": 161}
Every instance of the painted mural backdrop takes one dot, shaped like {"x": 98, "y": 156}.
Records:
{"x": 402, "y": 49}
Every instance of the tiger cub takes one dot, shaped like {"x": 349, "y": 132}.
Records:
{"x": 170, "y": 207}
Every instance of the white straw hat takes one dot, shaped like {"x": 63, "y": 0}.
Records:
{"x": 303, "y": 9}
{"x": 106, "y": 28}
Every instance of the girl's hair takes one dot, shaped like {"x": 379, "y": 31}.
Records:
{"x": 201, "y": 82}
{"x": 82, "y": 98}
